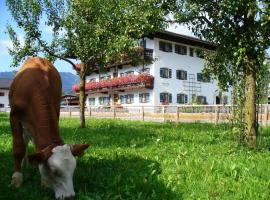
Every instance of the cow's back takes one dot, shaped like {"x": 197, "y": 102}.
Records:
{"x": 36, "y": 77}
{"x": 35, "y": 96}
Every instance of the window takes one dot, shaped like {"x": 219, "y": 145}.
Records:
{"x": 2, "y": 105}
{"x": 202, "y": 78}
{"x": 201, "y": 100}
{"x": 179, "y": 49}
{"x": 102, "y": 78}
{"x": 165, "y": 98}
{"x": 199, "y": 53}
{"x": 129, "y": 72}
{"x": 182, "y": 98}
{"x": 122, "y": 74}
{"x": 104, "y": 101}
{"x": 92, "y": 80}
{"x": 144, "y": 98}
{"x": 143, "y": 43}
{"x": 181, "y": 74}
{"x": 145, "y": 70}
{"x": 165, "y": 73}
{"x": 127, "y": 99}
{"x": 165, "y": 46}
{"x": 2, "y": 94}
{"x": 92, "y": 101}
{"x": 191, "y": 52}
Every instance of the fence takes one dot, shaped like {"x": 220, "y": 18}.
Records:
{"x": 177, "y": 113}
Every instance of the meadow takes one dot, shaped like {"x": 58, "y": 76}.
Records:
{"x": 146, "y": 161}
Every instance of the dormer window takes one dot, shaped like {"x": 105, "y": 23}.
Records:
{"x": 165, "y": 73}
{"x": 165, "y": 46}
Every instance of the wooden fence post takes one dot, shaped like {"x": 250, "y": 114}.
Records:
{"x": 266, "y": 114}
{"x": 143, "y": 113}
{"x": 114, "y": 112}
{"x": 163, "y": 112}
{"x": 177, "y": 113}
{"x": 90, "y": 113}
{"x": 69, "y": 110}
{"x": 216, "y": 114}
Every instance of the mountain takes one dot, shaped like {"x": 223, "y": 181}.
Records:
{"x": 68, "y": 79}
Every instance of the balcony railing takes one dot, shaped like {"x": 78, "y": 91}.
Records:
{"x": 120, "y": 83}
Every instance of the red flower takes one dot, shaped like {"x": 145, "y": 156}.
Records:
{"x": 117, "y": 82}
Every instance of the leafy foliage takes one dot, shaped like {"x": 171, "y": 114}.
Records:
{"x": 241, "y": 31}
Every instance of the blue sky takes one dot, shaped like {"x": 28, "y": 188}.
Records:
{"x": 5, "y": 58}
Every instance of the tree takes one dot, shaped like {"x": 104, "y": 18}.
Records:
{"x": 240, "y": 28}
{"x": 92, "y": 31}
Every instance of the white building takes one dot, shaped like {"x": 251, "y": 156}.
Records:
{"x": 4, "y": 90}
{"x": 177, "y": 74}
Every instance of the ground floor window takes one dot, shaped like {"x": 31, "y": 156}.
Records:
{"x": 201, "y": 100}
{"x": 144, "y": 98}
{"x": 92, "y": 101}
{"x": 104, "y": 101}
{"x": 165, "y": 98}
{"x": 2, "y": 105}
{"x": 182, "y": 98}
{"x": 127, "y": 99}
{"x": 2, "y": 94}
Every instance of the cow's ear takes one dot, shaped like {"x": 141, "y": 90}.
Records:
{"x": 78, "y": 149}
{"x": 41, "y": 156}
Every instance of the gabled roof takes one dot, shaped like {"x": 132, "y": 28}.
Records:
{"x": 5, "y": 83}
{"x": 184, "y": 39}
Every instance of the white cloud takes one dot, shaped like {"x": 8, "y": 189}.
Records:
{"x": 181, "y": 29}
{"x": 4, "y": 45}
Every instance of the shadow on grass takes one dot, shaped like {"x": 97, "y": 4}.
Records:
{"x": 116, "y": 178}
{"x": 121, "y": 177}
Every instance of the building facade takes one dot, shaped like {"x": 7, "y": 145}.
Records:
{"x": 4, "y": 90}
{"x": 175, "y": 77}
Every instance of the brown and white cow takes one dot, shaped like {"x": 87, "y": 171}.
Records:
{"x": 34, "y": 98}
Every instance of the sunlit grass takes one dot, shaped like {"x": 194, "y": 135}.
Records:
{"x": 144, "y": 160}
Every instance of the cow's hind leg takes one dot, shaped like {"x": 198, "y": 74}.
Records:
{"x": 19, "y": 150}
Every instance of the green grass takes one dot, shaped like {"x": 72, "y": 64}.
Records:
{"x": 144, "y": 160}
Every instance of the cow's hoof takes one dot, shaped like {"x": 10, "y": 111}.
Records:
{"x": 16, "y": 179}
{"x": 45, "y": 183}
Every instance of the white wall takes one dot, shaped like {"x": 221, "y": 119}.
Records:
{"x": 4, "y": 99}
{"x": 174, "y": 61}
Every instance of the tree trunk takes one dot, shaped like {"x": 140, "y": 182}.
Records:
{"x": 82, "y": 96}
{"x": 250, "y": 105}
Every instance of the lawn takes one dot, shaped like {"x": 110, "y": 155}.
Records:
{"x": 145, "y": 160}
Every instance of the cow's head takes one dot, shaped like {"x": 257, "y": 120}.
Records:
{"x": 57, "y": 165}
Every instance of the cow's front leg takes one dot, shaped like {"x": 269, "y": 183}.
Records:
{"x": 19, "y": 150}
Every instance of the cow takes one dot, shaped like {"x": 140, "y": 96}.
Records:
{"x": 34, "y": 98}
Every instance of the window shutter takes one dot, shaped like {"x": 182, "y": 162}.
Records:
{"x": 199, "y": 77}
{"x": 185, "y": 75}
{"x": 147, "y": 98}
{"x": 178, "y": 98}
{"x": 170, "y": 73}
{"x": 178, "y": 74}
{"x": 132, "y": 98}
{"x": 170, "y": 98}
{"x": 186, "y": 98}
{"x": 161, "y": 72}
{"x": 140, "y": 98}
{"x": 161, "y": 96}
